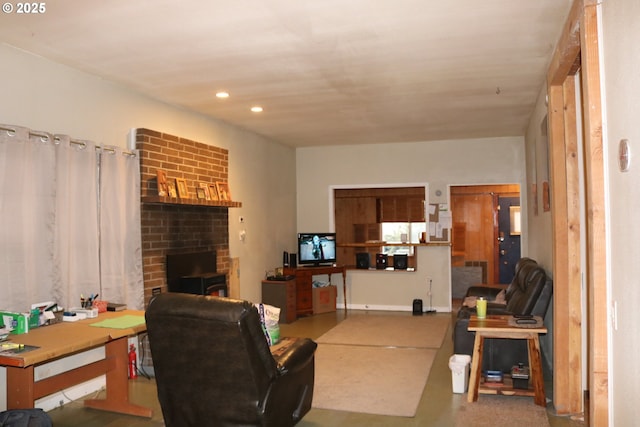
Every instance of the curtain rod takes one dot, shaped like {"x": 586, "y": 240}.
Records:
{"x": 47, "y": 136}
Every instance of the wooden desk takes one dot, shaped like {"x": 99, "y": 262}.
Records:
{"x": 304, "y": 283}
{"x": 64, "y": 339}
{"x": 498, "y": 327}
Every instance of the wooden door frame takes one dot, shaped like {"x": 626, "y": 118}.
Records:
{"x": 578, "y": 50}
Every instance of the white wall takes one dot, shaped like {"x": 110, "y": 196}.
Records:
{"x": 46, "y": 96}
{"x": 622, "y": 98}
{"x": 438, "y": 163}
{"x": 540, "y": 225}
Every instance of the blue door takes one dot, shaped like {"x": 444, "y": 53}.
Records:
{"x": 508, "y": 242}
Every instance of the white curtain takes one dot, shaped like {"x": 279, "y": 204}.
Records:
{"x": 121, "y": 241}
{"x": 27, "y": 217}
{"x": 51, "y": 205}
{"x": 76, "y": 244}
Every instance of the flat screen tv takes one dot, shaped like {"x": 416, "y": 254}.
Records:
{"x": 315, "y": 249}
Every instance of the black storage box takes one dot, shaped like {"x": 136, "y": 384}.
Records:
{"x": 520, "y": 377}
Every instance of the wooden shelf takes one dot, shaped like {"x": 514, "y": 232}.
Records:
{"x": 160, "y": 200}
{"x": 379, "y": 244}
{"x": 505, "y": 388}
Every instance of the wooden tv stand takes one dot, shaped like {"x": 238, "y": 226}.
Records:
{"x": 304, "y": 284}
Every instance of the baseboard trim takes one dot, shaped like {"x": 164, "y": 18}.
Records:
{"x": 375, "y": 307}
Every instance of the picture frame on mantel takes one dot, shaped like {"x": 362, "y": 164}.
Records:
{"x": 223, "y": 191}
{"x": 213, "y": 192}
{"x": 205, "y": 188}
{"x": 163, "y": 188}
{"x": 183, "y": 191}
{"x": 171, "y": 188}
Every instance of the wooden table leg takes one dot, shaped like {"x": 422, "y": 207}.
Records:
{"x": 476, "y": 368}
{"x": 117, "y": 390}
{"x": 537, "y": 377}
{"x": 20, "y": 388}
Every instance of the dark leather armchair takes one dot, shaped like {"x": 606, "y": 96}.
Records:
{"x": 213, "y": 366}
{"x": 529, "y": 293}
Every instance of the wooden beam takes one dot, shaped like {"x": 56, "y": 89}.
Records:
{"x": 568, "y": 47}
{"x": 597, "y": 301}
{"x": 558, "y": 175}
{"x": 573, "y": 310}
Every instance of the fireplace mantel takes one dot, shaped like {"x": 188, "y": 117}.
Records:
{"x": 159, "y": 200}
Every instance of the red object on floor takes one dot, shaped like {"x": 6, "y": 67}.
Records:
{"x": 133, "y": 362}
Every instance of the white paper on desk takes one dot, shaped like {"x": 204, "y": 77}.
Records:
{"x": 446, "y": 219}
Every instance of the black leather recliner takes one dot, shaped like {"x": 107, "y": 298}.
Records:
{"x": 213, "y": 366}
{"x": 529, "y": 293}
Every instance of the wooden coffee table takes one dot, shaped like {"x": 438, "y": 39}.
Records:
{"x": 498, "y": 327}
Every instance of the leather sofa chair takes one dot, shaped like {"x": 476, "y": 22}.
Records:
{"x": 529, "y": 293}
{"x": 213, "y": 366}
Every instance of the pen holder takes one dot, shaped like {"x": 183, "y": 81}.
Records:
{"x": 100, "y": 305}
{"x": 57, "y": 317}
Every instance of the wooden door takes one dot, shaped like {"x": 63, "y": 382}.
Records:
{"x": 475, "y": 213}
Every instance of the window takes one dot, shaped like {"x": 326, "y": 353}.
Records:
{"x": 392, "y": 232}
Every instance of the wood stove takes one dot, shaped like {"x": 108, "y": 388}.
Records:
{"x": 195, "y": 273}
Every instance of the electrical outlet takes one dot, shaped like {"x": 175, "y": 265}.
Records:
{"x": 156, "y": 291}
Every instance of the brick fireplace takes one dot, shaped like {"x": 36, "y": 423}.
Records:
{"x": 170, "y": 225}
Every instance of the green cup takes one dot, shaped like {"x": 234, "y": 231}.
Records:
{"x": 481, "y": 308}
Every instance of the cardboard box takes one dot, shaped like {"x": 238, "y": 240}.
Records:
{"x": 324, "y": 299}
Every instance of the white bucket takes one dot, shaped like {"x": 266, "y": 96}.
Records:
{"x": 459, "y": 365}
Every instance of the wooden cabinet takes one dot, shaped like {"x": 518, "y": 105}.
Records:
{"x": 304, "y": 285}
{"x": 281, "y": 294}
{"x": 400, "y": 209}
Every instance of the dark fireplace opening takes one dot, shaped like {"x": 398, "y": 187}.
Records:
{"x": 195, "y": 273}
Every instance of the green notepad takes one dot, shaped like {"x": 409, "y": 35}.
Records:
{"x": 122, "y": 322}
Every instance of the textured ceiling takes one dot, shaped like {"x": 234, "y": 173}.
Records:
{"x": 325, "y": 71}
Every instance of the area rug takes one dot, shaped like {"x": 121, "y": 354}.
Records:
{"x": 377, "y": 364}
{"x": 389, "y": 331}
{"x": 373, "y": 380}
{"x": 501, "y": 411}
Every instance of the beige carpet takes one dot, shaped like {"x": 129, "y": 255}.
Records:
{"x": 385, "y": 330}
{"x": 377, "y": 364}
{"x": 501, "y": 411}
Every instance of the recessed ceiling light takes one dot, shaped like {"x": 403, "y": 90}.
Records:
{"x": 256, "y": 109}
{"x": 222, "y": 94}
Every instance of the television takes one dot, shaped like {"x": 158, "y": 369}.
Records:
{"x": 315, "y": 249}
